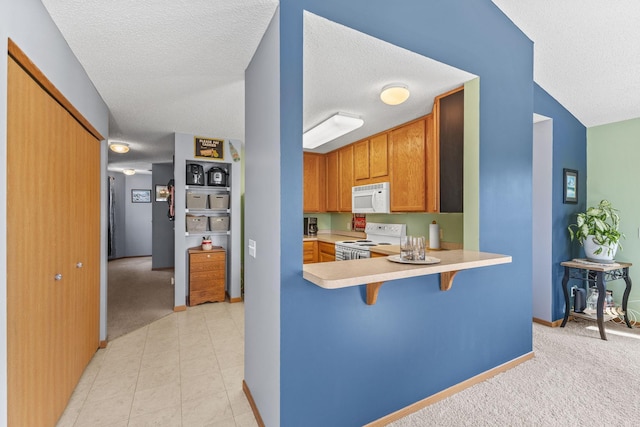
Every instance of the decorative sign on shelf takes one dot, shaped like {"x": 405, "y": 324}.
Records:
{"x": 209, "y": 148}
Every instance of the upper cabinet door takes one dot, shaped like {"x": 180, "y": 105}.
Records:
{"x": 379, "y": 157}
{"x": 408, "y": 158}
{"x": 345, "y": 166}
{"x": 314, "y": 182}
{"x": 361, "y": 162}
{"x": 333, "y": 181}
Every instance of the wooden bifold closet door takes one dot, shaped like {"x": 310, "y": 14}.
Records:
{"x": 53, "y": 251}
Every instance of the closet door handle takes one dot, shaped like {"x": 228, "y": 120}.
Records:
{"x": 58, "y": 276}
{"x": 79, "y": 265}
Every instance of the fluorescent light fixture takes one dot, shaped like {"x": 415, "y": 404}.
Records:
{"x": 334, "y": 127}
{"x": 129, "y": 171}
{"x": 119, "y": 147}
{"x": 394, "y": 94}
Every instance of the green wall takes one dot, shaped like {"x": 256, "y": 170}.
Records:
{"x": 612, "y": 172}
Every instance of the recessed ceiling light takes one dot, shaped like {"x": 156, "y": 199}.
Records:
{"x": 394, "y": 94}
{"x": 129, "y": 171}
{"x": 119, "y": 147}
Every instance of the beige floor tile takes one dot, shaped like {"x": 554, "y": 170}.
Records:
{"x": 239, "y": 403}
{"x": 206, "y": 409}
{"x": 197, "y": 352}
{"x": 169, "y": 357}
{"x": 229, "y": 343}
{"x": 105, "y": 412}
{"x": 230, "y": 359}
{"x": 167, "y": 417}
{"x": 227, "y": 422}
{"x": 157, "y": 376}
{"x": 112, "y": 386}
{"x": 200, "y": 338}
{"x": 162, "y": 344}
{"x": 154, "y": 399}
{"x": 205, "y": 385}
{"x": 206, "y": 365}
{"x": 246, "y": 420}
{"x": 233, "y": 377}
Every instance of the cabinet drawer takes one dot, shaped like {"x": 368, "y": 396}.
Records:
{"x": 327, "y": 248}
{"x": 205, "y": 284}
{"x": 207, "y": 275}
{"x": 206, "y": 256}
{"x": 206, "y": 266}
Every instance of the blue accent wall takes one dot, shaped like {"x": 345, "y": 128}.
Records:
{"x": 344, "y": 363}
{"x": 569, "y": 151}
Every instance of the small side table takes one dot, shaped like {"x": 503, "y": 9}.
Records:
{"x": 599, "y": 274}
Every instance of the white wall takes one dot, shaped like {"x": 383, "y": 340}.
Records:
{"x": 138, "y": 232}
{"x": 542, "y": 229}
{"x": 262, "y": 224}
{"x": 29, "y": 25}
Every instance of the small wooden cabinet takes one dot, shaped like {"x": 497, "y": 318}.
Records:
{"x": 314, "y": 182}
{"x": 333, "y": 181}
{"x": 370, "y": 160}
{"x": 327, "y": 251}
{"x": 309, "y": 251}
{"x": 408, "y": 171}
{"x": 345, "y": 168}
{"x": 207, "y": 275}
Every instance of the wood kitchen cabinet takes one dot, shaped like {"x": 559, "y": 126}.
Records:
{"x": 314, "y": 182}
{"x": 327, "y": 251}
{"x": 408, "y": 155}
{"x": 370, "y": 160}
{"x": 207, "y": 276}
{"x": 333, "y": 181}
{"x": 309, "y": 251}
{"x": 345, "y": 183}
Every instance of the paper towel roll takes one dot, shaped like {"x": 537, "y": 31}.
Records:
{"x": 434, "y": 236}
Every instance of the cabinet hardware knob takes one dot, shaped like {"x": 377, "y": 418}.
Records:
{"x": 58, "y": 276}
{"x": 79, "y": 265}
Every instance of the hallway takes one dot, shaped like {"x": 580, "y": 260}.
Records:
{"x": 185, "y": 369}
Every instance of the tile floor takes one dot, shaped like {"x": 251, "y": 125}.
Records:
{"x": 184, "y": 370}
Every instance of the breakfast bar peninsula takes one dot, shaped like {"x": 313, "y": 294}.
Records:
{"x": 374, "y": 272}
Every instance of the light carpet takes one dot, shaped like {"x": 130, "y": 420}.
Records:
{"x": 575, "y": 379}
{"x": 136, "y": 295}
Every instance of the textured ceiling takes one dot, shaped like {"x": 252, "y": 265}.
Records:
{"x": 165, "y": 66}
{"x": 586, "y": 54}
{"x": 345, "y": 70}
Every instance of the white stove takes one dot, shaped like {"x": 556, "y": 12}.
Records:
{"x": 377, "y": 235}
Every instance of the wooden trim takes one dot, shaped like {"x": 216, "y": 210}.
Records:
{"x": 394, "y": 416}
{"x": 21, "y": 58}
{"x": 553, "y": 324}
{"x": 180, "y": 308}
{"x": 103, "y": 344}
{"x": 451, "y": 92}
{"x": 234, "y": 300}
{"x": 252, "y": 403}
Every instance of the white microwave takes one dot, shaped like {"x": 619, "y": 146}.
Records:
{"x": 372, "y": 198}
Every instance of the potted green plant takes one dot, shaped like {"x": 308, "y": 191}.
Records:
{"x": 597, "y": 230}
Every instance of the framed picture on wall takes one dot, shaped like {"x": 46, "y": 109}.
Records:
{"x": 570, "y": 183}
{"x": 162, "y": 192}
{"x": 140, "y": 196}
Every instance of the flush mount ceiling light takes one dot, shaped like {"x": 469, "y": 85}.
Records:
{"x": 334, "y": 127}
{"x": 119, "y": 147}
{"x": 394, "y": 94}
{"x": 129, "y": 171}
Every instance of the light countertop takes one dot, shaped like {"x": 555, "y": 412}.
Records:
{"x": 341, "y": 274}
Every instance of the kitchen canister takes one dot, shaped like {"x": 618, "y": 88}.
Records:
{"x": 434, "y": 236}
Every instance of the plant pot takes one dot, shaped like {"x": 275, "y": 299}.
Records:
{"x": 605, "y": 256}
{"x": 207, "y": 245}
